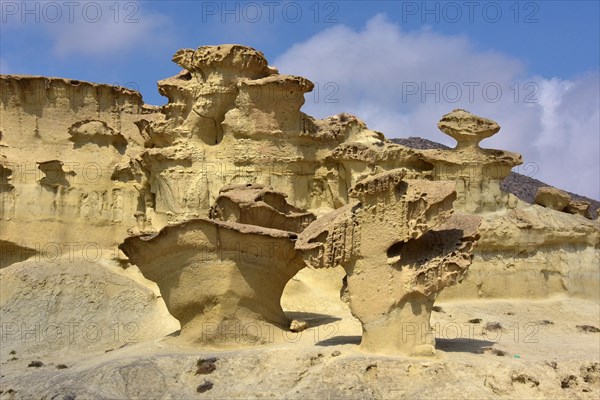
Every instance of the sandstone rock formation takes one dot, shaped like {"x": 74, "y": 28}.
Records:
{"x": 196, "y": 190}
{"x": 76, "y": 306}
{"x": 223, "y": 278}
{"x": 478, "y": 172}
{"x": 533, "y": 252}
{"x": 553, "y": 198}
{"x": 61, "y": 142}
{"x": 579, "y": 208}
{"x": 400, "y": 248}
{"x": 467, "y": 129}
{"x": 256, "y": 204}
{"x": 559, "y": 200}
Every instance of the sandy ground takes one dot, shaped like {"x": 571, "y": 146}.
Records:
{"x": 536, "y": 352}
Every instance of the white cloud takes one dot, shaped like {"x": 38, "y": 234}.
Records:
{"x": 390, "y": 79}
{"x": 106, "y": 29}
{"x": 569, "y": 141}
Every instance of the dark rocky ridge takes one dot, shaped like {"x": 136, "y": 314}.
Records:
{"x": 522, "y": 186}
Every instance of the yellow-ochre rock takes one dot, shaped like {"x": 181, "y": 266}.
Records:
{"x": 210, "y": 206}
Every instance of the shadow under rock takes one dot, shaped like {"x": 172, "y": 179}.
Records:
{"x": 463, "y": 345}
{"x": 313, "y": 319}
{"x": 337, "y": 340}
{"x": 175, "y": 333}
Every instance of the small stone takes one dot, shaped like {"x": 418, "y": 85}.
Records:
{"x": 36, "y": 364}
{"x": 569, "y": 381}
{"x": 493, "y": 326}
{"x": 207, "y": 385}
{"x": 298, "y": 326}
{"x": 206, "y": 366}
{"x": 588, "y": 328}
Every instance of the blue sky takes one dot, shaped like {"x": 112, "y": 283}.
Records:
{"x": 533, "y": 66}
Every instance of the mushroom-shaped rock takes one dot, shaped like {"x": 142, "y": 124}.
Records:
{"x": 466, "y": 128}
{"x": 223, "y": 278}
{"x": 553, "y": 198}
{"x": 400, "y": 246}
{"x": 227, "y": 60}
{"x": 223, "y": 281}
{"x": 256, "y": 204}
{"x": 477, "y": 172}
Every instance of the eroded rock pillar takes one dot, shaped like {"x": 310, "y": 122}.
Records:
{"x": 400, "y": 246}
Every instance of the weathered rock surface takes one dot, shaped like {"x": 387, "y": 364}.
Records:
{"x": 553, "y": 198}
{"x": 400, "y": 248}
{"x": 467, "y": 129}
{"x": 522, "y": 184}
{"x": 222, "y": 281}
{"x": 175, "y": 162}
{"x": 223, "y": 278}
{"x": 74, "y": 306}
{"x": 533, "y": 252}
{"x": 579, "y": 208}
{"x": 478, "y": 172}
{"x": 85, "y": 167}
{"x": 60, "y": 145}
{"x": 256, "y": 204}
